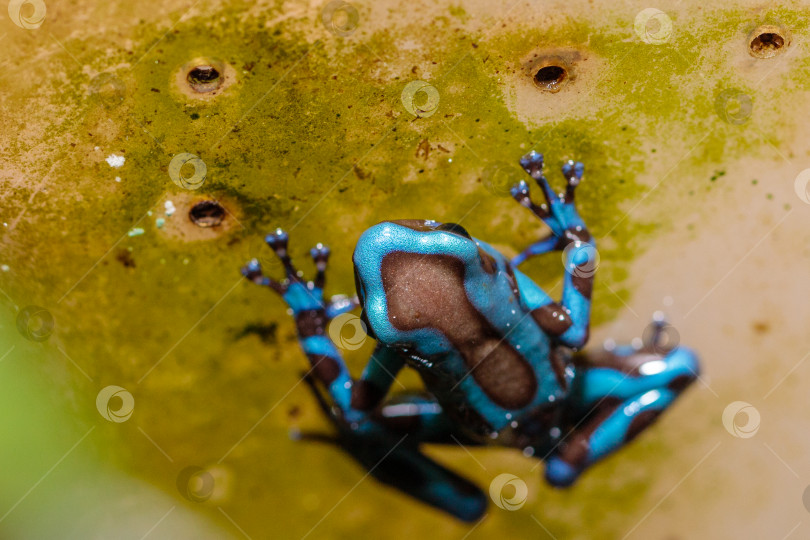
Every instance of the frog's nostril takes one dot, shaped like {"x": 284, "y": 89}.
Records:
{"x": 207, "y": 213}
{"x": 767, "y": 41}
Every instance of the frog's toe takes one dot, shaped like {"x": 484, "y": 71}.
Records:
{"x": 252, "y": 270}
{"x": 532, "y": 163}
{"x": 520, "y": 192}
{"x": 278, "y": 240}
{"x": 573, "y": 171}
{"x": 320, "y": 255}
{"x": 560, "y": 473}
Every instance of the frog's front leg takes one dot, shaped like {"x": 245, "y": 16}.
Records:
{"x": 312, "y": 315}
{"x": 570, "y": 321}
{"x": 616, "y": 395}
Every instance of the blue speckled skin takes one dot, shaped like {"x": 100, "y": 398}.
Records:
{"x": 498, "y": 355}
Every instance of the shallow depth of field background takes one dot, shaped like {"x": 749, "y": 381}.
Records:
{"x": 696, "y": 156}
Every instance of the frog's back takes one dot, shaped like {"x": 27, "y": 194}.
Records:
{"x": 450, "y": 304}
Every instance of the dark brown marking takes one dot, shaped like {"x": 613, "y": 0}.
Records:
{"x": 583, "y": 285}
{"x": 680, "y": 383}
{"x": 311, "y": 322}
{"x": 427, "y": 291}
{"x": 552, "y": 318}
{"x": 510, "y": 276}
{"x": 629, "y": 365}
{"x": 575, "y": 452}
{"x": 365, "y": 395}
{"x": 125, "y": 257}
{"x": 487, "y": 262}
{"x": 326, "y": 369}
{"x": 639, "y": 423}
{"x": 557, "y": 359}
{"x": 572, "y": 235}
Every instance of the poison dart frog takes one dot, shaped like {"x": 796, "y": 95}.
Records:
{"x": 500, "y": 359}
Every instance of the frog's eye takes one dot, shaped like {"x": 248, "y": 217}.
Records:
{"x": 454, "y": 228}
{"x": 358, "y": 286}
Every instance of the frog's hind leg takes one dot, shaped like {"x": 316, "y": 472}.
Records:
{"x": 392, "y": 455}
{"x": 615, "y": 396}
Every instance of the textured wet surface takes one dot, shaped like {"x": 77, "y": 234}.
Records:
{"x": 691, "y": 147}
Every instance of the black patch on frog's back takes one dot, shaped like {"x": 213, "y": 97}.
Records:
{"x": 427, "y": 291}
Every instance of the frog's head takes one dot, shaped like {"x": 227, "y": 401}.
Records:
{"x": 411, "y": 276}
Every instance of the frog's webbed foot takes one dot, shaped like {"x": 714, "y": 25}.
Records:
{"x": 253, "y": 271}
{"x": 558, "y": 212}
{"x": 300, "y": 295}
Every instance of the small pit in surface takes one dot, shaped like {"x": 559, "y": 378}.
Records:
{"x": 207, "y": 213}
{"x": 551, "y": 77}
{"x": 204, "y": 78}
{"x": 767, "y": 41}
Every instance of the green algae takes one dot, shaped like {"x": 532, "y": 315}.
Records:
{"x": 313, "y": 138}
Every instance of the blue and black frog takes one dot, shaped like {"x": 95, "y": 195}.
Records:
{"x": 497, "y": 355}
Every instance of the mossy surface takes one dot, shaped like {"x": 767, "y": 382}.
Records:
{"x": 313, "y": 137}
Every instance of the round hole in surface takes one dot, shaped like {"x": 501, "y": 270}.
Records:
{"x": 767, "y": 41}
{"x": 550, "y": 78}
{"x": 204, "y": 78}
{"x": 207, "y": 213}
